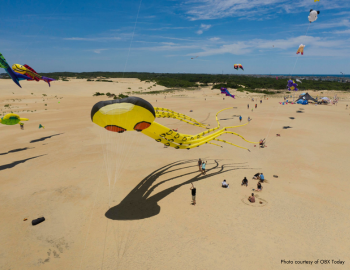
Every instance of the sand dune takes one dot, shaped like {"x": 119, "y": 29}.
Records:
{"x": 145, "y": 220}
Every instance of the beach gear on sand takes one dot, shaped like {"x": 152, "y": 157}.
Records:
{"x": 37, "y": 221}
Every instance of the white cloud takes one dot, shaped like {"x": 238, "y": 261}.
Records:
{"x": 314, "y": 46}
{"x": 334, "y": 24}
{"x": 215, "y": 9}
{"x": 203, "y": 28}
{"x": 93, "y": 39}
{"x": 342, "y": 32}
{"x": 214, "y": 39}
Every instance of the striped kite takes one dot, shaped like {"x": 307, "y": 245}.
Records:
{"x": 237, "y": 66}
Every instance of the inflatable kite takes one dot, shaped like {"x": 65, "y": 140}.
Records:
{"x": 134, "y": 113}
{"x": 301, "y": 49}
{"x": 313, "y": 15}
{"x": 292, "y": 85}
{"x": 237, "y": 66}
{"x": 226, "y": 92}
{"x": 21, "y": 72}
{"x": 9, "y": 71}
{"x": 29, "y": 72}
{"x": 299, "y": 80}
{"x": 316, "y": 0}
{"x": 11, "y": 119}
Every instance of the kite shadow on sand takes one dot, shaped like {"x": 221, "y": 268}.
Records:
{"x": 140, "y": 203}
{"x": 15, "y": 150}
{"x": 15, "y": 163}
{"x": 44, "y": 138}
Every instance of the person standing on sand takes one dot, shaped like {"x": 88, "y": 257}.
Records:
{"x": 248, "y": 106}
{"x": 256, "y": 106}
{"x": 22, "y": 125}
{"x": 203, "y": 168}
{"x": 249, "y": 119}
{"x": 346, "y": 106}
{"x": 193, "y": 192}
{"x": 240, "y": 118}
{"x": 260, "y": 101}
{"x": 200, "y": 164}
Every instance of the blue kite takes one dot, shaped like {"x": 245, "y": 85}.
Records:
{"x": 226, "y": 92}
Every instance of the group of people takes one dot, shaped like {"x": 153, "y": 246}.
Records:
{"x": 257, "y": 176}
{"x": 224, "y": 184}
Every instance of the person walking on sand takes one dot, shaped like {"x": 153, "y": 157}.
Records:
{"x": 256, "y": 106}
{"x": 260, "y": 101}
{"x": 249, "y": 119}
{"x": 193, "y": 192}
{"x": 346, "y": 106}
{"x": 203, "y": 167}
{"x": 251, "y": 198}
{"x": 240, "y": 118}
{"x": 248, "y": 106}
{"x": 200, "y": 164}
{"x": 22, "y": 126}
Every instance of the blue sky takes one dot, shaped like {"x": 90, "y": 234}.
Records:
{"x": 262, "y": 35}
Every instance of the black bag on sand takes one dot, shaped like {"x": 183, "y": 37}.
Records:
{"x": 37, "y": 221}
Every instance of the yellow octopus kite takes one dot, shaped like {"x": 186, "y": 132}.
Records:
{"x": 133, "y": 113}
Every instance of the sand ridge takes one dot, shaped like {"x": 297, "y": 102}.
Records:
{"x": 59, "y": 173}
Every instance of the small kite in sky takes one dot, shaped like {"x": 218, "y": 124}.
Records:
{"x": 299, "y": 80}
{"x": 194, "y": 57}
{"x": 313, "y": 15}
{"x": 301, "y": 49}
{"x": 237, "y": 66}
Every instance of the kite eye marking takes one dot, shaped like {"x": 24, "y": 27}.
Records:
{"x": 141, "y": 126}
{"x": 115, "y": 128}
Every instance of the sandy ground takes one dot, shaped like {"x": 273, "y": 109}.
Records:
{"x": 145, "y": 220}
